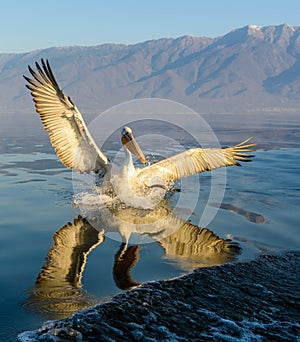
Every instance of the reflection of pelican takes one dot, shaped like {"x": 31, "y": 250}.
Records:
{"x": 125, "y": 259}
{"x": 77, "y": 149}
{"x": 58, "y": 289}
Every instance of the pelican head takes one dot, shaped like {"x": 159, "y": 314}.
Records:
{"x": 131, "y": 145}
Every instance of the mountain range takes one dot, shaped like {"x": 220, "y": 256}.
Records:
{"x": 250, "y": 69}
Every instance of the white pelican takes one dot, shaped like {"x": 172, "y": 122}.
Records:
{"x": 77, "y": 149}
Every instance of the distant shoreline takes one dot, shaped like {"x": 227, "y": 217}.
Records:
{"x": 269, "y": 130}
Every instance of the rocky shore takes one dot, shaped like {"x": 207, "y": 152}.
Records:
{"x": 257, "y": 300}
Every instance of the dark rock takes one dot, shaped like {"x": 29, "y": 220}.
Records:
{"x": 257, "y": 300}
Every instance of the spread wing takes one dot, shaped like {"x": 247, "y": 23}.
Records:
{"x": 62, "y": 120}
{"x": 194, "y": 161}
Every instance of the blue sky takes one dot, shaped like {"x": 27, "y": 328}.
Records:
{"x": 34, "y": 24}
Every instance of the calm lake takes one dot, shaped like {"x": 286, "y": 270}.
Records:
{"x": 50, "y": 268}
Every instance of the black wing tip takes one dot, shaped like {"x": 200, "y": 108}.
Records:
{"x": 70, "y": 101}
{"x": 31, "y": 70}
{"x": 29, "y": 87}
{"x": 43, "y": 63}
{"x": 44, "y": 73}
{"x": 26, "y": 78}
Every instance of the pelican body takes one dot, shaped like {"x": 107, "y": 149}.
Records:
{"x": 76, "y": 148}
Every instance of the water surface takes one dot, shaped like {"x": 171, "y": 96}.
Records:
{"x": 259, "y": 213}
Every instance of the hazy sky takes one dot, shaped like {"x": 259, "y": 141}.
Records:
{"x": 33, "y": 24}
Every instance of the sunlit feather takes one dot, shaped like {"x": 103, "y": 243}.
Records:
{"x": 76, "y": 148}
{"x": 196, "y": 160}
{"x": 62, "y": 120}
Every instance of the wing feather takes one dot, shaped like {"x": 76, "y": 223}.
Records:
{"x": 67, "y": 130}
{"x": 196, "y": 160}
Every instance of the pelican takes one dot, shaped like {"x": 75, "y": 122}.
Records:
{"x": 76, "y": 148}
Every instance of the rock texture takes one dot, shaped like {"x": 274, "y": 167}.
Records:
{"x": 254, "y": 301}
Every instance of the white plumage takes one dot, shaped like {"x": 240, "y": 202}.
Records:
{"x": 77, "y": 149}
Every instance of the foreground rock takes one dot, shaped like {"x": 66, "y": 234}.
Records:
{"x": 254, "y": 301}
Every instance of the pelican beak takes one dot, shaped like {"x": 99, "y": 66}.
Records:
{"x": 130, "y": 143}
